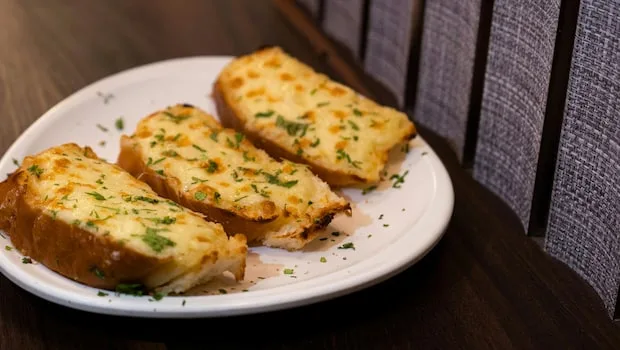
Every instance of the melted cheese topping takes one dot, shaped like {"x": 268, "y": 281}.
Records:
{"x": 73, "y": 186}
{"x": 218, "y": 166}
{"x": 312, "y": 116}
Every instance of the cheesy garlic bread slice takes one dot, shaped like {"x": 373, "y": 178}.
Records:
{"x": 293, "y": 112}
{"x": 93, "y": 222}
{"x": 187, "y": 156}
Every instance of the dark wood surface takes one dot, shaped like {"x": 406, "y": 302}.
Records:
{"x": 486, "y": 285}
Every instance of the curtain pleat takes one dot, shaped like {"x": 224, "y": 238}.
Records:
{"x": 584, "y": 221}
{"x": 514, "y": 100}
{"x": 343, "y": 22}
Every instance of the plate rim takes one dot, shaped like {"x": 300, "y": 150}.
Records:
{"x": 434, "y": 219}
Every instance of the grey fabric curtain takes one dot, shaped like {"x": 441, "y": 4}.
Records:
{"x": 514, "y": 99}
{"x": 517, "y": 131}
{"x": 446, "y": 68}
{"x": 584, "y": 222}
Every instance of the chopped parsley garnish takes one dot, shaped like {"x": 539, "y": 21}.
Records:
{"x": 353, "y": 125}
{"x": 145, "y": 199}
{"x": 288, "y": 271}
{"x": 166, "y": 220}
{"x": 154, "y": 240}
{"x": 176, "y": 137}
{"x": 315, "y": 143}
{"x": 321, "y": 104}
{"x": 95, "y": 270}
{"x": 102, "y": 128}
{"x": 313, "y": 91}
{"x": 223, "y": 291}
{"x": 217, "y": 197}
{"x": 16, "y": 162}
{"x": 160, "y": 172}
{"x": 400, "y": 179}
{"x": 198, "y": 148}
{"x": 347, "y": 246}
{"x": 90, "y": 224}
{"x": 8, "y": 248}
{"x": 292, "y": 128}
{"x": 248, "y": 158}
{"x": 119, "y": 123}
{"x": 369, "y": 189}
{"x": 323, "y": 260}
{"x": 240, "y": 198}
{"x": 98, "y": 196}
{"x": 267, "y": 114}
{"x": 335, "y": 233}
{"x": 197, "y": 180}
{"x": 200, "y": 196}
{"x": 35, "y": 170}
{"x": 169, "y": 153}
{"x": 177, "y": 119}
{"x": 134, "y": 289}
{"x": 213, "y": 136}
{"x": 261, "y": 192}
{"x": 238, "y": 139}
{"x": 405, "y": 148}
{"x": 274, "y": 180}
{"x": 212, "y": 167}
{"x": 235, "y": 176}
{"x": 357, "y": 112}
{"x": 102, "y": 294}
{"x": 386, "y": 225}
{"x": 158, "y": 296}
{"x": 151, "y": 162}
{"x": 343, "y": 155}
{"x": 26, "y": 260}
{"x": 99, "y": 182}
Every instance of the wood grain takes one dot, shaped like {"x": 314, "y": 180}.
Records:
{"x": 485, "y": 285}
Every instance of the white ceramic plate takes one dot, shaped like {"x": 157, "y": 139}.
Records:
{"x": 391, "y": 228}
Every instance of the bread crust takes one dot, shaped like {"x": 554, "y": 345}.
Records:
{"x": 67, "y": 249}
{"x": 257, "y": 230}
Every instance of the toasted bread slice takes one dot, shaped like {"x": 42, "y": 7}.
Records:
{"x": 94, "y": 223}
{"x": 186, "y": 155}
{"x": 293, "y": 112}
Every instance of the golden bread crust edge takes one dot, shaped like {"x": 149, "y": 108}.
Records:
{"x": 256, "y": 231}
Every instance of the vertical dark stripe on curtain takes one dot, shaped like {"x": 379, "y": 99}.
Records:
{"x": 514, "y": 99}
{"x": 388, "y": 43}
{"x": 343, "y": 21}
{"x": 584, "y": 220}
{"x": 446, "y": 68}
{"x": 554, "y": 113}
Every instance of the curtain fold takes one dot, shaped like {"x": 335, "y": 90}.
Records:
{"x": 343, "y": 21}
{"x": 584, "y": 221}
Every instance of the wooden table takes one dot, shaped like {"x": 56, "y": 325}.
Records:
{"x": 485, "y": 285}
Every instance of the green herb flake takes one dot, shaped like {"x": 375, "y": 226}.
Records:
{"x": 201, "y": 196}
{"x": 160, "y": 172}
{"x": 98, "y": 196}
{"x": 240, "y": 198}
{"x": 274, "y": 180}
{"x": 102, "y": 128}
{"x": 292, "y": 128}
{"x": 8, "y": 248}
{"x": 156, "y": 241}
{"x": 16, "y": 162}
{"x": 35, "y": 170}
{"x": 223, "y": 291}
{"x": 166, "y": 220}
{"x": 238, "y": 139}
{"x": 213, "y": 136}
{"x": 381, "y": 217}
{"x": 313, "y": 92}
{"x": 177, "y": 119}
{"x": 146, "y": 199}
{"x": 323, "y": 260}
{"x": 102, "y": 294}
{"x": 335, "y": 233}
{"x": 134, "y": 289}
{"x": 353, "y": 125}
{"x": 212, "y": 167}
{"x": 288, "y": 271}
{"x": 343, "y": 155}
{"x": 198, "y": 148}
{"x": 120, "y": 124}
{"x": 217, "y": 197}
{"x": 369, "y": 189}
{"x": 386, "y": 225}
{"x": 247, "y": 158}
{"x": 266, "y": 114}
{"x": 400, "y": 179}
{"x": 197, "y": 180}
{"x": 158, "y": 296}
{"x": 95, "y": 271}
{"x": 26, "y": 260}
{"x": 322, "y": 104}
{"x": 347, "y": 246}
{"x": 357, "y": 112}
